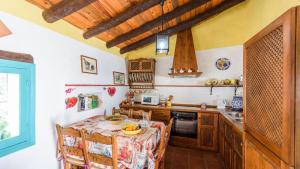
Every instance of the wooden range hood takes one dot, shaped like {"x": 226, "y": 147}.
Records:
{"x": 185, "y": 56}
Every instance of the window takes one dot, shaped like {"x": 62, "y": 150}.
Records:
{"x": 17, "y": 106}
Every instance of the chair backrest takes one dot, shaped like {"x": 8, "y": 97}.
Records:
{"x": 66, "y": 150}
{"x": 168, "y": 131}
{"x": 122, "y": 112}
{"x": 138, "y": 114}
{"x": 98, "y": 158}
{"x": 164, "y": 139}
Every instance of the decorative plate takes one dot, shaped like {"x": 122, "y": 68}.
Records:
{"x": 223, "y": 63}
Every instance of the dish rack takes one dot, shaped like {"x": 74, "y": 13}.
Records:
{"x": 141, "y": 73}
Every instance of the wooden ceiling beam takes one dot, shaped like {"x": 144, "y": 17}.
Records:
{"x": 64, "y": 8}
{"x": 183, "y": 25}
{"x": 156, "y": 22}
{"x": 122, "y": 17}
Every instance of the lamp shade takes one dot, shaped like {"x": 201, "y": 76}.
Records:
{"x": 162, "y": 43}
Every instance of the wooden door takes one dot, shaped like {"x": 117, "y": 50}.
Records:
{"x": 269, "y": 86}
{"x": 259, "y": 157}
{"x": 208, "y": 131}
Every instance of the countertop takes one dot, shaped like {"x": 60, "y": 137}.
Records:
{"x": 173, "y": 108}
{"x": 224, "y": 112}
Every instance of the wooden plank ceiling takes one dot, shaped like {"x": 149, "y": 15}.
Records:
{"x": 137, "y": 30}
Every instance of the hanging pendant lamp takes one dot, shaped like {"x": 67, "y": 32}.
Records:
{"x": 162, "y": 40}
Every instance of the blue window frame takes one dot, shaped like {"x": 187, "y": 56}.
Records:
{"x": 24, "y": 117}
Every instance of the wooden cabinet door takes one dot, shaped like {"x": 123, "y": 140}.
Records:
{"x": 238, "y": 150}
{"x": 228, "y": 155}
{"x": 147, "y": 65}
{"x": 237, "y": 161}
{"x": 257, "y": 156}
{"x": 221, "y": 136}
{"x": 269, "y": 73}
{"x": 208, "y": 131}
{"x": 134, "y": 66}
{"x": 161, "y": 115}
{"x": 221, "y": 144}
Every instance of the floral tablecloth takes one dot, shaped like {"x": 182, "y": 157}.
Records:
{"x": 134, "y": 152}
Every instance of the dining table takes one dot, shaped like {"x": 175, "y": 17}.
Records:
{"x": 134, "y": 151}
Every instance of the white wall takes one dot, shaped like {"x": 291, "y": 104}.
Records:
{"x": 206, "y": 64}
{"x": 57, "y": 60}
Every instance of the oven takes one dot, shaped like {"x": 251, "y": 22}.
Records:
{"x": 185, "y": 124}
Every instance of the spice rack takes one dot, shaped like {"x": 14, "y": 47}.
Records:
{"x": 141, "y": 73}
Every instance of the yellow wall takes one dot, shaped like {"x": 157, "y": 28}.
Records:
{"x": 232, "y": 27}
{"x": 25, "y": 10}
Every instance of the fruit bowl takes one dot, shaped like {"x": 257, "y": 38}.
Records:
{"x": 131, "y": 129}
{"x": 115, "y": 119}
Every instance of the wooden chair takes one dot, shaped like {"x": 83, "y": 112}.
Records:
{"x": 72, "y": 155}
{"x": 164, "y": 139}
{"x": 93, "y": 160}
{"x": 122, "y": 112}
{"x": 138, "y": 114}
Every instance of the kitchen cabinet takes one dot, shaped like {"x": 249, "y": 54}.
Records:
{"x": 141, "y": 73}
{"x": 271, "y": 94}
{"x": 230, "y": 144}
{"x": 141, "y": 65}
{"x": 259, "y": 157}
{"x": 208, "y": 131}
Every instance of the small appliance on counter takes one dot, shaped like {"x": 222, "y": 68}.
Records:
{"x": 237, "y": 103}
{"x": 150, "y": 99}
{"x": 221, "y": 103}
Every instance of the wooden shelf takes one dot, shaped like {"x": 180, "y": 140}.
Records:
{"x": 155, "y": 85}
{"x": 186, "y": 74}
{"x": 198, "y": 86}
{"x": 87, "y": 85}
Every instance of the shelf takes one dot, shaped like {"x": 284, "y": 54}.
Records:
{"x": 186, "y": 74}
{"x": 198, "y": 86}
{"x": 87, "y": 85}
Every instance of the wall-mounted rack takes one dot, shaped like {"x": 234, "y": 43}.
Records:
{"x": 166, "y": 85}
{"x": 91, "y": 85}
{"x": 141, "y": 73}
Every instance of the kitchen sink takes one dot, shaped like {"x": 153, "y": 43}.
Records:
{"x": 236, "y": 116}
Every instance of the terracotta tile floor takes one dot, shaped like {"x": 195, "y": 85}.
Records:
{"x": 183, "y": 158}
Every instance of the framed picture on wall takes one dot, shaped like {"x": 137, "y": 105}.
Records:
{"x": 88, "y": 65}
{"x": 119, "y": 78}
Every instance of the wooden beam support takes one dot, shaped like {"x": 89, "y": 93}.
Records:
{"x": 64, "y": 8}
{"x": 156, "y": 22}
{"x": 184, "y": 25}
{"x": 20, "y": 57}
{"x": 129, "y": 13}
